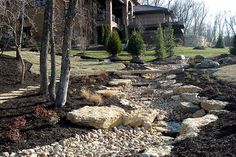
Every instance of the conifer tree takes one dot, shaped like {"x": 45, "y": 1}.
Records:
{"x": 160, "y": 44}
{"x": 170, "y": 41}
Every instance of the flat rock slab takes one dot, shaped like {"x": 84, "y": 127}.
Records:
{"x": 192, "y": 97}
{"x": 187, "y": 89}
{"x": 213, "y": 105}
{"x": 190, "y": 127}
{"x": 188, "y": 107}
{"x": 140, "y": 117}
{"x": 159, "y": 151}
{"x": 109, "y": 91}
{"x": 120, "y": 82}
{"x": 97, "y": 117}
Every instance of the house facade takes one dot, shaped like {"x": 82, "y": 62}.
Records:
{"x": 147, "y": 19}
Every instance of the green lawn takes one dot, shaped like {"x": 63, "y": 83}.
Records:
{"x": 150, "y": 55}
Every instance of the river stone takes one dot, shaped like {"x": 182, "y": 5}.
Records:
{"x": 159, "y": 151}
{"x": 187, "y": 89}
{"x": 190, "y": 127}
{"x": 98, "y": 117}
{"x": 120, "y": 82}
{"x": 192, "y": 97}
{"x": 140, "y": 116}
{"x": 199, "y": 113}
{"x": 213, "y": 105}
{"x": 188, "y": 107}
{"x": 207, "y": 63}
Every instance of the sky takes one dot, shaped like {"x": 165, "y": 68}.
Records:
{"x": 216, "y": 6}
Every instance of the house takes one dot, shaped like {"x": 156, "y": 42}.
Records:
{"x": 146, "y": 18}
{"x": 117, "y": 14}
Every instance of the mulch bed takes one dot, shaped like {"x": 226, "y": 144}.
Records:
{"x": 217, "y": 138}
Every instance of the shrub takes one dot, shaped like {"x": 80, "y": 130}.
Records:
{"x": 108, "y": 94}
{"x": 136, "y": 44}
{"x": 233, "y": 49}
{"x": 160, "y": 44}
{"x": 114, "y": 45}
{"x": 170, "y": 41}
{"x": 47, "y": 115}
{"x": 96, "y": 99}
{"x": 100, "y": 34}
{"x": 107, "y": 33}
{"x": 220, "y": 42}
{"x": 85, "y": 93}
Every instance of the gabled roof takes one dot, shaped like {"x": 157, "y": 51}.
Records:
{"x": 142, "y": 9}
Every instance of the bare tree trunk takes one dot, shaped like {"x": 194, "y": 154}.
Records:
{"x": 18, "y": 42}
{"x": 44, "y": 53}
{"x": 52, "y": 85}
{"x": 65, "y": 67}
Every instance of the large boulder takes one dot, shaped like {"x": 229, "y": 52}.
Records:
{"x": 188, "y": 107}
{"x": 186, "y": 89}
{"x": 140, "y": 117}
{"x": 190, "y": 127}
{"x": 213, "y": 105}
{"x": 97, "y": 117}
{"x": 207, "y": 63}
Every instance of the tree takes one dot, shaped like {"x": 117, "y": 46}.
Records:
{"x": 61, "y": 96}
{"x": 52, "y": 85}
{"x": 114, "y": 45}
{"x": 107, "y": 33}
{"x": 233, "y": 49}
{"x": 220, "y": 42}
{"x": 170, "y": 41}
{"x": 160, "y": 44}
{"x": 12, "y": 15}
{"x": 136, "y": 46}
{"x": 44, "y": 52}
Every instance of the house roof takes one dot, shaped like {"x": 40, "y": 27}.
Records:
{"x": 143, "y": 9}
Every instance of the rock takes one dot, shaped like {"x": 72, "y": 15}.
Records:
{"x": 176, "y": 85}
{"x": 175, "y": 97}
{"x": 168, "y": 93}
{"x": 106, "y": 92}
{"x": 120, "y": 82}
{"x": 5, "y": 154}
{"x": 192, "y": 97}
{"x": 207, "y": 63}
{"x": 218, "y": 112}
{"x": 126, "y": 102}
{"x": 140, "y": 116}
{"x": 186, "y": 89}
{"x": 190, "y": 127}
{"x": 159, "y": 151}
{"x": 213, "y": 105}
{"x": 198, "y": 58}
{"x": 188, "y": 107}
{"x": 98, "y": 117}
{"x": 173, "y": 127}
{"x": 170, "y": 77}
{"x": 180, "y": 57}
{"x": 128, "y": 76}
{"x": 199, "y": 113}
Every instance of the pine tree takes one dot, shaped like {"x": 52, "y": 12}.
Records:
{"x": 233, "y": 49}
{"x": 114, "y": 45}
{"x": 220, "y": 42}
{"x": 136, "y": 44}
{"x": 160, "y": 44}
{"x": 170, "y": 43}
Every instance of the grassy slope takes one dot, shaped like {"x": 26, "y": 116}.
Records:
{"x": 149, "y": 55}
{"x": 227, "y": 73}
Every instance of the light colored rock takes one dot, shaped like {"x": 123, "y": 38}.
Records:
{"x": 166, "y": 84}
{"x": 191, "y": 97}
{"x": 140, "y": 116}
{"x": 207, "y": 63}
{"x": 168, "y": 93}
{"x": 176, "y": 85}
{"x": 199, "y": 113}
{"x": 213, "y": 105}
{"x": 106, "y": 92}
{"x": 188, "y": 107}
{"x": 5, "y": 154}
{"x": 170, "y": 77}
{"x": 120, "y": 82}
{"x": 159, "y": 151}
{"x": 187, "y": 89}
{"x": 128, "y": 76}
{"x": 190, "y": 127}
{"x": 98, "y": 117}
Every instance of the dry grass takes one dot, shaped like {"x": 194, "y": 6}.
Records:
{"x": 85, "y": 93}
{"x": 96, "y": 99}
{"x": 108, "y": 94}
